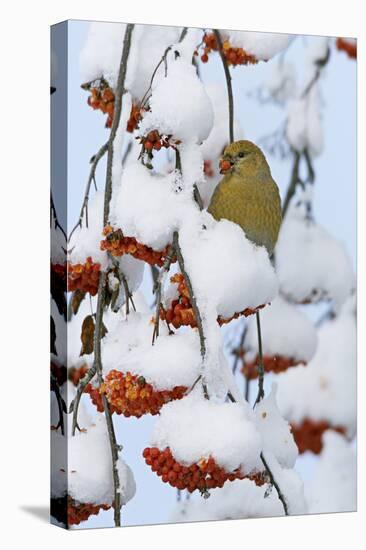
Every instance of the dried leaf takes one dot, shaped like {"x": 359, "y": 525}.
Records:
{"x": 87, "y": 335}
{"x": 76, "y": 299}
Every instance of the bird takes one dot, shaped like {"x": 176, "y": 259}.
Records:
{"x": 247, "y": 194}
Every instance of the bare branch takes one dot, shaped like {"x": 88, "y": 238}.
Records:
{"x": 120, "y": 90}
{"x": 94, "y": 163}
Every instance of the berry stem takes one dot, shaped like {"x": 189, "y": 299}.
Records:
{"x": 275, "y": 484}
{"x": 228, "y": 84}
{"x": 260, "y": 365}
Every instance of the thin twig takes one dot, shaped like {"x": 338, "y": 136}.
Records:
{"x": 320, "y": 64}
{"x": 228, "y": 84}
{"x": 84, "y": 207}
{"x": 157, "y": 290}
{"x": 239, "y": 348}
{"x": 275, "y": 484}
{"x": 74, "y": 405}
{"x": 197, "y": 196}
{"x": 247, "y": 388}
{"x": 260, "y": 365}
{"x": 295, "y": 178}
{"x": 146, "y": 96}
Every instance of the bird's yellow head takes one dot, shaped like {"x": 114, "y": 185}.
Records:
{"x": 242, "y": 156}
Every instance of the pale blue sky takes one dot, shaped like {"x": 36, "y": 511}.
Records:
{"x": 334, "y": 206}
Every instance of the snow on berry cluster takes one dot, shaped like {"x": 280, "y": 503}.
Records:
{"x": 131, "y": 395}
{"x": 87, "y": 254}
{"x": 289, "y": 339}
{"x": 141, "y": 378}
{"x": 81, "y": 474}
{"x": 119, "y": 245}
{"x": 101, "y": 54}
{"x": 245, "y": 48}
{"x": 194, "y": 430}
{"x": 311, "y": 265}
{"x": 304, "y": 129}
{"x": 180, "y": 311}
{"x": 325, "y": 389}
{"x": 333, "y": 486}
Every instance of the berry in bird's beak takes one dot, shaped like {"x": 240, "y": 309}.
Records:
{"x": 225, "y": 166}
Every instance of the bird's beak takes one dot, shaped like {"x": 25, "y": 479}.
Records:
{"x": 225, "y": 166}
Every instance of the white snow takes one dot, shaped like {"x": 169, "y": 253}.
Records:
{"x": 101, "y": 54}
{"x": 281, "y": 82}
{"x": 304, "y": 127}
{"x": 89, "y": 467}
{"x": 179, "y": 104}
{"x": 173, "y": 360}
{"x": 102, "y": 51}
{"x": 263, "y": 45}
{"x": 326, "y": 388}
{"x": 333, "y": 487}
{"x": 311, "y": 264}
{"x": 275, "y": 431}
{"x": 286, "y": 332}
{"x": 147, "y": 207}
{"x": 218, "y": 138}
{"x": 236, "y": 500}
{"x": 86, "y": 240}
{"x": 291, "y": 485}
{"x": 195, "y": 428}
{"x": 228, "y": 272}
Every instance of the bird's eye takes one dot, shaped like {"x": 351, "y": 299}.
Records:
{"x": 241, "y": 154}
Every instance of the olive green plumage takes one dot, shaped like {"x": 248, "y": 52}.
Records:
{"x": 248, "y": 195}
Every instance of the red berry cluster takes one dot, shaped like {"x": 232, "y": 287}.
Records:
{"x": 102, "y": 98}
{"x": 131, "y": 395}
{"x": 204, "y": 475}
{"x": 349, "y": 47}
{"x": 135, "y": 117}
{"x": 308, "y": 434}
{"x": 84, "y": 277}
{"x": 155, "y": 141}
{"x": 233, "y": 56}
{"x": 180, "y": 313}
{"x": 117, "y": 244}
{"x": 208, "y": 169}
{"x": 81, "y": 511}
{"x": 271, "y": 363}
